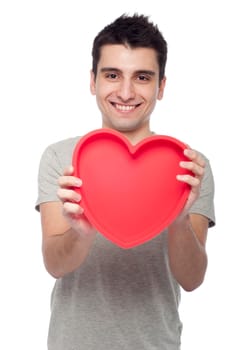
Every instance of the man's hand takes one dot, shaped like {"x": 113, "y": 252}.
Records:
{"x": 67, "y": 234}
{"x": 196, "y": 165}
{"x": 72, "y": 210}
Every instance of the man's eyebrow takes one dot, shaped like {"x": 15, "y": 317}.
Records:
{"x": 140, "y": 71}
{"x": 109, "y": 69}
{"x": 145, "y": 71}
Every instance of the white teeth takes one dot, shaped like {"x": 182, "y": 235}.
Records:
{"x": 124, "y": 108}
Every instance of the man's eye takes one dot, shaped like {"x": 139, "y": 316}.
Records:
{"x": 143, "y": 78}
{"x": 111, "y": 76}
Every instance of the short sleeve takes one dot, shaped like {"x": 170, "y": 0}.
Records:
{"x": 49, "y": 171}
{"x": 54, "y": 160}
{"x": 204, "y": 205}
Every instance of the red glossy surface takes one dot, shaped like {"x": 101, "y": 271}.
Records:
{"x": 130, "y": 193}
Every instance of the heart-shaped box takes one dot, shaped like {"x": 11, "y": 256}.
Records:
{"x": 130, "y": 192}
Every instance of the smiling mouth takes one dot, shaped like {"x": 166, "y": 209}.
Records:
{"x": 125, "y": 108}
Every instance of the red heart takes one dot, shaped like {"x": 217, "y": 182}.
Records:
{"x": 130, "y": 193}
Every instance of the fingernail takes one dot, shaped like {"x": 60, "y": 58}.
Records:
{"x": 78, "y": 182}
{"x": 188, "y": 152}
{"x": 78, "y": 197}
{"x": 179, "y": 177}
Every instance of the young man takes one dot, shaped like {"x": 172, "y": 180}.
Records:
{"x": 105, "y": 297}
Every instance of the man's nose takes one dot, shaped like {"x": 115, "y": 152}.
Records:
{"x": 126, "y": 90}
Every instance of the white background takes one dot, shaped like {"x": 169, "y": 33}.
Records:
{"x": 45, "y": 58}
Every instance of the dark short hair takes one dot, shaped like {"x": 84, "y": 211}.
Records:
{"x": 134, "y": 31}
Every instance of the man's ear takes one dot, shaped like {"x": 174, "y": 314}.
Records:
{"x": 92, "y": 83}
{"x": 161, "y": 88}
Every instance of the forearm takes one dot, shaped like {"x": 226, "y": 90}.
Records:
{"x": 187, "y": 255}
{"x": 64, "y": 253}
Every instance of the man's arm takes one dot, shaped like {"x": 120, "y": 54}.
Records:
{"x": 187, "y": 234}
{"x": 187, "y": 253}
{"x": 67, "y": 234}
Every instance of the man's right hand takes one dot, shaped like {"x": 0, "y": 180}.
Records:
{"x": 72, "y": 210}
{"x": 67, "y": 234}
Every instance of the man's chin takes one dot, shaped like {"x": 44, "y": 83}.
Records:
{"x": 125, "y": 126}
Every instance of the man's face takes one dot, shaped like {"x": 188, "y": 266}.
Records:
{"x": 127, "y": 87}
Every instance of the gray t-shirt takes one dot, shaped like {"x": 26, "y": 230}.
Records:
{"x": 119, "y": 299}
